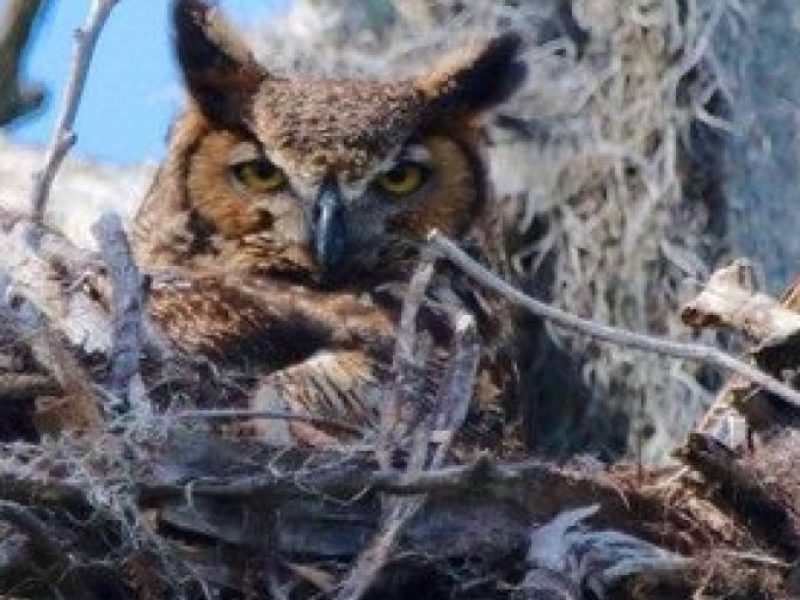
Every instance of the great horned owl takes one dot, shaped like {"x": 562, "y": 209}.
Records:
{"x": 290, "y": 206}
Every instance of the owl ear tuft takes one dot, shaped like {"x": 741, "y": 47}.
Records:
{"x": 477, "y": 79}
{"x": 220, "y": 71}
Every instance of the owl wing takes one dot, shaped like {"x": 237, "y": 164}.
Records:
{"x": 265, "y": 325}
{"x": 339, "y": 392}
{"x": 320, "y": 356}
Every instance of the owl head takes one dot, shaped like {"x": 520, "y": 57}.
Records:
{"x": 329, "y": 180}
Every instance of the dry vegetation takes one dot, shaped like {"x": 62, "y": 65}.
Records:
{"x": 606, "y": 169}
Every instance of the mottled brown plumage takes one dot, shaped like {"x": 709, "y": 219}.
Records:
{"x": 290, "y": 211}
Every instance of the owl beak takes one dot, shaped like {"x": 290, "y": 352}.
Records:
{"x": 329, "y": 230}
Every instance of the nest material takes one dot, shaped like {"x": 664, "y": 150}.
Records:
{"x": 139, "y": 505}
{"x": 124, "y": 503}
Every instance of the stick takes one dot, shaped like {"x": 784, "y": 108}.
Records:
{"x": 404, "y": 414}
{"x": 63, "y": 137}
{"x": 482, "y": 474}
{"x": 26, "y": 386}
{"x": 401, "y": 412}
{"x": 126, "y": 305}
{"x": 607, "y": 333}
{"x": 452, "y": 402}
{"x": 224, "y": 414}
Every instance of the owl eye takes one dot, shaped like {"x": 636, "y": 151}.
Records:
{"x": 403, "y": 179}
{"x": 259, "y": 175}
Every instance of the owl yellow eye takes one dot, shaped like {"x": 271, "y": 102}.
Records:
{"x": 259, "y": 175}
{"x": 404, "y": 179}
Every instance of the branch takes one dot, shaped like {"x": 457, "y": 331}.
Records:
{"x": 27, "y": 386}
{"x": 607, "y": 333}
{"x": 349, "y": 479}
{"x": 16, "y": 99}
{"x": 407, "y": 413}
{"x": 64, "y": 138}
{"x": 730, "y": 299}
{"x": 126, "y": 305}
{"x": 226, "y": 414}
{"x": 432, "y": 426}
{"x": 400, "y": 413}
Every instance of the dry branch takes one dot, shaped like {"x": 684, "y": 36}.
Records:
{"x": 399, "y": 415}
{"x": 16, "y": 23}
{"x": 231, "y": 414}
{"x": 403, "y": 415}
{"x": 349, "y": 479}
{"x": 27, "y": 386}
{"x": 126, "y": 307}
{"x": 730, "y": 299}
{"x": 64, "y": 137}
{"x": 568, "y": 557}
{"x": 647, "y": 343}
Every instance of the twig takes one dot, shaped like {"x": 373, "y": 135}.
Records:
{"x": 225, "y": 414}
{"x": 50, "y": 493}
{"x": 455, "y": 393}
{"x": 405, "y": 413}
{"x": 607, "y": 333}
{"x": 27, "y": 386}
{"x": 400, "y": 413}
{"x": 437, "y": 424}
{"x": 64, "y": 138}
{"x": 126, "y": 305}
{"x": 346, "y": 480}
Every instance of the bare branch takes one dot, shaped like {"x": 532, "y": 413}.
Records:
{"x": 399, "y": 414}
{"x": 434, "y": 425}
{"x": 16, "y": 23}
{"x": 730, "y": 299}
{"x": 126, "y": 305}
{"x": 63, "y": 137}
{"x": 607, "y": 333}
{"x": 406, "y": 413}
{"x": 27, "y": 386}
{"x": 228, "y": 414}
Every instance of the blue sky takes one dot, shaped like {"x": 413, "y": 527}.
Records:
{"x": 133, "y": 89}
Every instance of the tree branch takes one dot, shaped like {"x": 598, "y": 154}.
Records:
{"x": 126, "y": 305}
{"x": 63, "y": 137}
{"x": 607, "y": 333}
{"x": 16, "y": 98}
{"x": 228, "y": 414}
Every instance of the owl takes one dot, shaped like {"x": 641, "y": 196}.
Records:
{"x": 291, "y": 211}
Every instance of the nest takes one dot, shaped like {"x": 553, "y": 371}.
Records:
{"x": 104, "y": 495}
